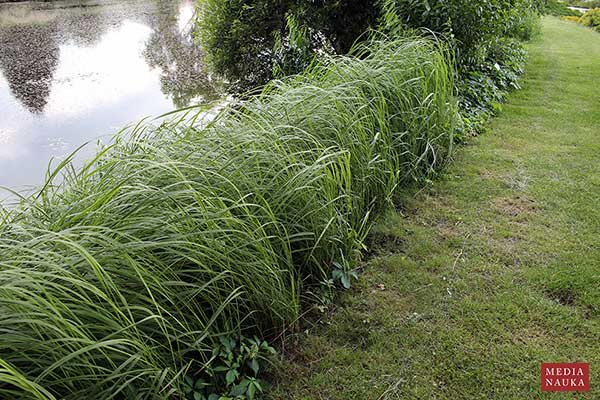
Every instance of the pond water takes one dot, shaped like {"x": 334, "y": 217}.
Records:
{"x": 79, "y": 71}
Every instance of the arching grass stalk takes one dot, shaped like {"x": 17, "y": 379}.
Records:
{"x": 117, "y": 282}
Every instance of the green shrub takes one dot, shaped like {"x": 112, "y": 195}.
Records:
{"x": 482, "y": 90}
{"x": 234, "y": 368}
{"x": 571, "y": 18}
{"x": 591, "y": 19}
{"x": 471, "y": 24}
{"x": 291, "y": 34}
{"x": 481, "y": 33}
{"x": 241, "y": 36}
{"x": 524, "y": 25}
{"x": 126, "y": 279}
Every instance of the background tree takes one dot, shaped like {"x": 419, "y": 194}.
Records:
{"x": 247, "y": 41}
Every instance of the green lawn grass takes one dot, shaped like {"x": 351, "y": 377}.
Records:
{"x": 492, "y": 269}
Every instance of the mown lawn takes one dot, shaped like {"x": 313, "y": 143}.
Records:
{"x": 494, "y": 268}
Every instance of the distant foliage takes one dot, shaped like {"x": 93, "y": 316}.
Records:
{"x": 559, "y": 9}
{"x": 571, "y": 18}
{"x": 585, "y": 3}
{"x": 591, "y": 19}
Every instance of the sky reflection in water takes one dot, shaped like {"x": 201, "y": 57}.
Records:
{"x": 72, "y": 72}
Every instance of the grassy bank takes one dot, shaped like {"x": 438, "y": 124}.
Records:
{"x": 490, "y": 271}
{"x": 136, "y": 273}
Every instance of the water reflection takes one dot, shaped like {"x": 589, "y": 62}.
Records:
{"x": 29, "y": 65}
{"x": 73, "y": 71}
{"x": 172, "y": 49}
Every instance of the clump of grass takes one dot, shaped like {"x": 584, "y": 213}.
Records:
{"x": 118, "y": 281}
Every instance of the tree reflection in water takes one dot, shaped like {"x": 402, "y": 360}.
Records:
{"x": 28, "y": 58}
{"x": 172, "y": 48}
{"x": 31, "y": 36}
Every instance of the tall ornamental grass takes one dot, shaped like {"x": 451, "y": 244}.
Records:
{"x": 118, "y": 281}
